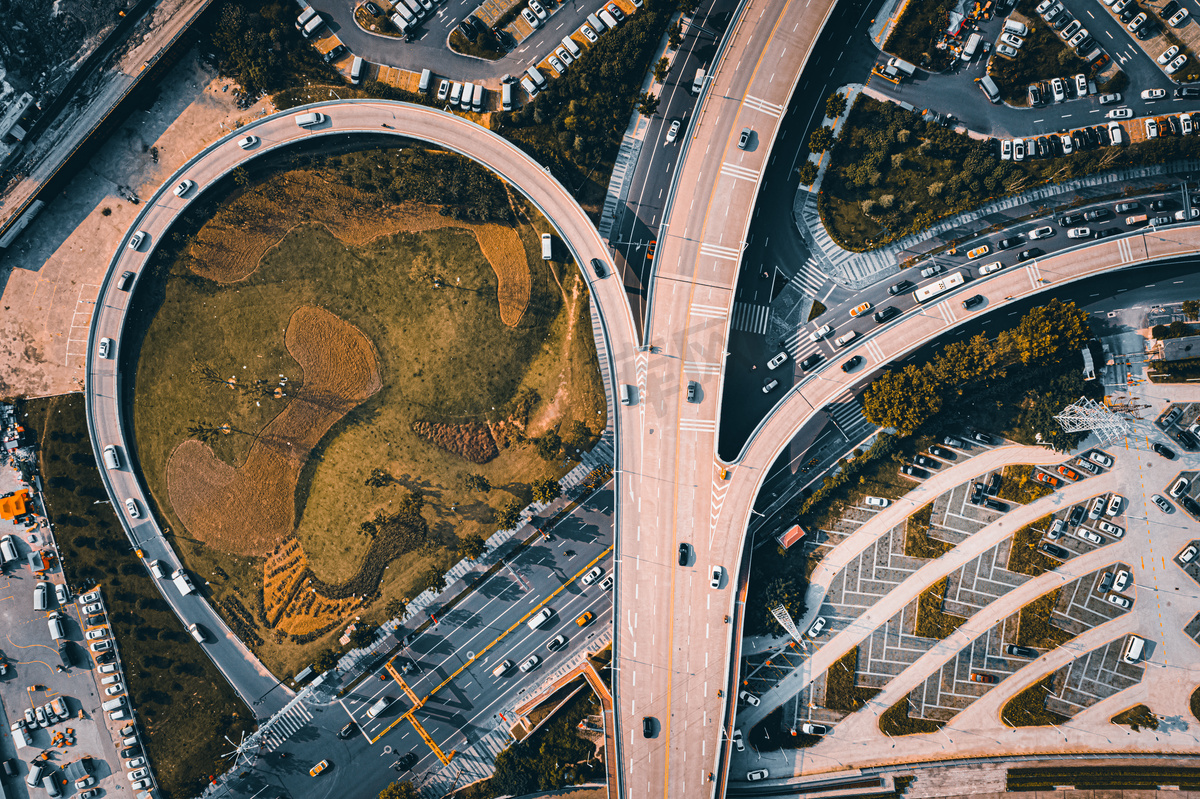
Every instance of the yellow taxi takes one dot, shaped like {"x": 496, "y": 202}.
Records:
{"x": 317, "y": 769}
{"x": 981, "y": 250}
{"x": 861, "y": 309}
{"x": 584, "y": 619}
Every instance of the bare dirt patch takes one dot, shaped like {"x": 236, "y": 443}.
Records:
{"x": 472, "y": 440}
{"x": 250, "y": 509}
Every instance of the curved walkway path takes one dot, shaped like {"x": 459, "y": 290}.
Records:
{"x": 256, "y": 685}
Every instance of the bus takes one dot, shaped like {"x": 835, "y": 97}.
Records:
{"x": 952, "y": 281}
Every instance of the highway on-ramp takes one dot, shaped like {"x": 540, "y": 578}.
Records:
{"x": 105, "y": 376}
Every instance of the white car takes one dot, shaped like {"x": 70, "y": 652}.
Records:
{"x": 1120, "y": 113}
{"x": 1088, "y": 535}
{"x": 992, "y": 267}
{"x": 673, "y": 131}
{"x": 810, "y": 728}
{"x": 1181, "y": 216}
{"x": 537, "y": 9}
{"x": 592, "y": 576}
{"x": 1122, "y": 581}
{"x": 184, "y": 187}
{"x": 1075, "y": 41}
{"x": 1136, "y": 22}
{"x": 97, "y": 634}
{"x": 589, "y": 34}
{"x": 105, "y": 348}
{"x": 100, "y": 646}
{"x": 136, "y": 240}
{"x": 755, "y": 776}
{"x": 1070, "y": 30}
{"x": 529, "y": 17}
{"x": 1185, "y": 124}
{"x": 1005, "y": 50}
{"x": 1081, "y": 83}
{"x": 1151, "y": 128}
{"x": 1079, "y": 233}
{"x": 749, "y": 698}
{"x": 556, "y": 64}
{"x": 1187, "y": 555}
{"x": 819, "y": 625}
{"x": 563, "y": 56}
{"x": 1068, "y": 144}
{"x": 1153, "y": 94}
{"x": 1177, "y": 20}
{"x": 140, "y": 785}
{"x": 877, "y": 502}
{"x": 1100, "y": 458}
{"x": 131, "y": 505}
{"x": 1115, "y": 503}
{"x": 139, "y": 774}
{"x": 137, "y": 762}
{"x": 93, "y": 607}
{"x": 1111, "y": 529}
{"x": 1043, "y": 5}
{"x": 88, "y": 598}
{"x": 1109, "y": 99}
{"x": 1006, "y": 150}
{"x": 1168, "y": 54}
{"x": 820, "y": 333}
{"x": 114, "y": 689}
{"x": 1176, "y": 65}
{"x": 443, "y": 90}
{"x": 247, "y": 142}
{"x": 1012, "y": 40}
{"x": 1018, "y": 149}
{"x": 717, "y": 572}
{"x": 737, "y": 740}
{"x": 1043, "y": 232}
{"x": 607, "y": 583}
{"x": 777, "y": 361}
{"x": 1120, "y": 601}
{"x": 1059, "y": 89}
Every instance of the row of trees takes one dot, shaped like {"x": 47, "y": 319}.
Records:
{"x": 1045, "y": 344}
{"x": 257, "y": 45}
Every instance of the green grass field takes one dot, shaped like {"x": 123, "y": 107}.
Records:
{"x": 183, "y": 703}
{"x": 445, "y": 357}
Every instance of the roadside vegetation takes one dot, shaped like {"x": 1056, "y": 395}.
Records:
{"x": 1028, "y": 708}
{"x": 1043, "y": 56}
{"x": 1035, "y": 627}
{"x": 893, "y": 174}
{"x": 1099, "y": 778}
{"x": 932, "y": 621}
{"x": 184, "y": 705}
{"x": 1024, "y": 557}
{"x": 915, "y": 35}
{"x": 818, "y": 308}
{"x": 1136, "y": 718}
{"x": 1194, "y": 703}
{"x": 896, "y": 721}
{"x": 1017, "y": 484}
{"x": 917, "y": 543}
{"x": 388, "y": 314}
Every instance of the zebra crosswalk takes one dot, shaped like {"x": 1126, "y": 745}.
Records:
{"x": 751, "y": 318}
{"x": 810, "y": 279}
{"x": 284, "y": 725}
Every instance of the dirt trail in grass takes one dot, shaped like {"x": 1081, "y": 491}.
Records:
{"x": 341, "y": 370}
{"x": 264, "y": 216}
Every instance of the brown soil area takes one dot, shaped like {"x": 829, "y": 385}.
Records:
{"x": 288, "y": 607}
{"x": 472, "y": 440}
{"x": 251, "y": 509}
{"x": 226, "y": 253}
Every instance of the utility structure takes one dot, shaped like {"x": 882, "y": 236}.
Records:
{"x": 1089, "y": 415}
{"x": 411, "y": 714}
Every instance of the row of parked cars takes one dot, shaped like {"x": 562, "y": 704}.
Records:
{"x": 1056, "y": 144}
{"x": 1068, "y": 28}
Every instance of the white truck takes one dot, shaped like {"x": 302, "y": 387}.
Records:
{"x": 898, "y": 69}
{"x": 183, "y": 582}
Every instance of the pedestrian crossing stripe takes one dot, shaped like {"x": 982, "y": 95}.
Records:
{"x": 702, "y": 368}
{"x": 751, "y": 318}
{"x": 699, "y": 425}
{"x": 740, "y": 172}
{"x": 765, "y": 106}
{"x": 875, "y": 350}
{"x": 719, "y": 251}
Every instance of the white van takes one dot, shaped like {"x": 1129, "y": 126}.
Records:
{"x": 41, "y": 596}
{"x": 304, "y": 17}
{"x": 1012, "y": 26}
{"x": 846, "y": 339}
{"x": 506, "y": 97}
{"x": 118, "y": 715}
{"x": 529, "y": 88}
{"x": 477, "y": 100}
{"x": 968, "y": 52}
{"x": 456, "y": 90}
{"x": 400, "y": 22}
{"x": 537, "y": 77}
{"x": 426, "y": 77}
{"x": 596, "y": 24}
{"x": 113, "y": 704}
{"x": 608, "y": 18}
{"x": 626, "y": 394}
{"x": 356, "y": 70}
{"x": 468, "y": 91}
{"x": 312, "y": 26}
{"x": 502, "y": 669}
{"x": 57, "y": 631}
{"x": 547, "y": 247}
{"x": 310, "y": 119}
{"x": 197, "y": 633}
{"x": 8, "y": 548}
{"x": 541, "y": 618}
{"x": 111, "y": 459}
{"x": 571, "y": 46}
{"x": 157, "y": 569}
{"x": 380, "y": 706}
{"x": 698, "y": 81}
{"x": 989, "y": 88}
{"x": 1134, "y": 649}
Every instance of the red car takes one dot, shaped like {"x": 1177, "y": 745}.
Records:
{"x": 1042, "y": 477}
{"x": 986, "y": 678}
{"x": 1070, "y": 474}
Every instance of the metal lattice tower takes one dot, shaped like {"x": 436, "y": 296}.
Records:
{"x": 1087, "y": 414}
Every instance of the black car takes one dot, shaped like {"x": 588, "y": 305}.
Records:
{"x": 886, "y": 313}
{"x": 1106, "y": 581}
{"x": 978, "y": 491}
{"x": 994, "y": 505}
{"x": 934, "y": 449}
{"x": 982, "y": 438}
{"x": 1158, "y": 205}
{"x": 106, "y": 657}
{"x": 952, "y": 441}
{"x": 333, "y": 55}
{"x": 852, "y": 363}
{"x": 914, "y": 471}
{"x": 928, "y": 463}
{"x": 1187, "y": 439}
{"x": 131, "y": 751}
{"x": 468, "y": 30}
{"x": 347, "y": 731}
{"x": 1043, "y": 147}
{"x": 647, "y": 727}
{"x": 1020, "y": 651}
{"x": 1085, "y": 47}
{"x": 993, "y": 486}
{"x": 1187, "y": 91}
{"x": 1166, "y": 452}
{"x": 692, "y": 388}
{"x": 1062, "y": 20}
{"x": 1190, "y": 505}
{"x": 1130, "y": 12}
{"x": 902, "y": 287}
{"x": 1108, "y": 231}
{"x": 971, "y": 302}
{"x": 1080, "y": 141}
{"x": 373, "y": 9}
{"x": 1032, "y": 252}
{"x": 1077, "y": 514}
{"x": 1009, "y": 243}
{"x": 1169, "y": 9}
{"x": 683, "y": 554}
{"x": 598, "y": 267}
{"x": 1054, "y": 550}
{"x": 1070, "y": 220}
{"x": 811, "y": 361}
{"x": 1147, "y": 30}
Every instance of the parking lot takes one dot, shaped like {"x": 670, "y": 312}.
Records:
{"x": 50, "y": 694}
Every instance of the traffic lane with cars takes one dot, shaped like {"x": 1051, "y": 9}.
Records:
{"x": 508, "y": 638}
